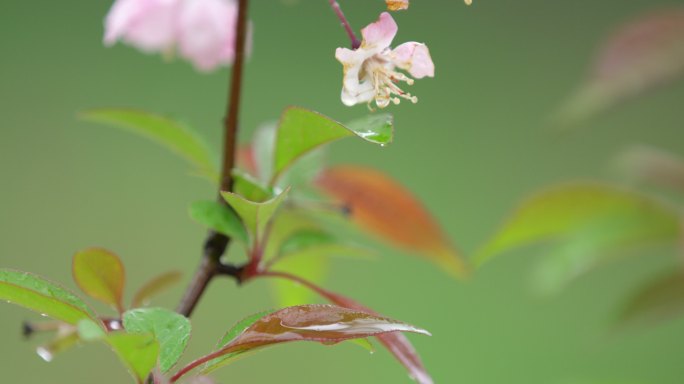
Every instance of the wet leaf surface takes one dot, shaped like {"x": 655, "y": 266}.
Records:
{"x": 42, "y": 296}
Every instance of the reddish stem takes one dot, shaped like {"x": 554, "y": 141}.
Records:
{"x": 355, "y": 42}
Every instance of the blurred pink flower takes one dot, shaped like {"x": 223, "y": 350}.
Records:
{"x": 148, "y": 25}
{"x": 369, "y": 71}
{"x": 202, "y": 31}
{"x": 206, "y": 32}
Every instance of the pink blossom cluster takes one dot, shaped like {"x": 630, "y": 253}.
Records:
{"x": 200, "y": 31}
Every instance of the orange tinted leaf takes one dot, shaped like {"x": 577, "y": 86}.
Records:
{"x": 382, "y": 206}
{"x": 155, "y": 286}
{"x": 100, "y": 274}
{"x": 640, "y": 55}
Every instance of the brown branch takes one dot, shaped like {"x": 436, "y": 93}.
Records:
{"x": 216, "y": 243}
{"x": 355, "y": 42}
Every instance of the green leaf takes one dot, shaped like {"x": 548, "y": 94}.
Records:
{"x": 220, "y": 218}
{"x": 37, "y": 294}
{"x": 138, "y": 352}
{"x": 154, "y": 286}
{"x": 232, "y": 333}
{"x": 255, "y": 216}
{"x": 660, "y": 300}
{"x": 301, "y": 130}
{"x": 171, "y": 330}
{"x": 171, "y": 134}
{"x": 250, "y": 188}
{"x": 587, "y": 222}
{"x": 100, "y": 274}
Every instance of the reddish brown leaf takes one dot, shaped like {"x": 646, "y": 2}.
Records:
{"x": 327, "y": 324}
{"x": 382, "y": 206}
{"x": 638, "y": 56}
{"x": 395, "y": 342}
{"x": 154, "y": 286}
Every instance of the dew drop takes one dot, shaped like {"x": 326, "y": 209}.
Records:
{"x": 44, "y": 354}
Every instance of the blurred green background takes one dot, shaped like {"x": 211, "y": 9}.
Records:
{"x": 475, "y": 144}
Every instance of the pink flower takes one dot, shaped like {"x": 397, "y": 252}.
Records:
{"x": 370, "y": 71}
{"x": 206, "y": 32}
{"x": 148, "y": 25}
{"x": 202, "y": 31}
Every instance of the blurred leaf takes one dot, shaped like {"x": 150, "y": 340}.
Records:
{"x": 302, "y": 130}
{"x": 100, "y": 274}
{"x": 263, "y": 144}
{"x": 138, "y": 352}
{"x": 250, "y": 188}
{"x": 321, "y": 323}
{"x": 307, "y": 252}
{"x": 381, "y": 206}
{"x": 88, "y": 330}
{"x": 660, "y": 300}
{"x": 61, "y": 343}
{"x": 589, "y": 222}
{"x": 312, "y": 266}
{"x": 171, "y": 134}
{"x": 155, "y": 286}
{"x": 232, "y": 333}
{"x": 37, "y": 294}
{"x": 639, "y": 56}
{"x": 219, "y": 218}
{"x": 654, "y": 166}
{"x": 255, "y": 215}
{"x": 171, "y": 330}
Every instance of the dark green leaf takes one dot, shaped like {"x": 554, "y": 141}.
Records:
{"x": 220, "y": 218}
{"x": 301, "y": 130}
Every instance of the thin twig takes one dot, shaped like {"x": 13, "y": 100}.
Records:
{"x": 216, "y": 243}
{"x": 355, "y": 42}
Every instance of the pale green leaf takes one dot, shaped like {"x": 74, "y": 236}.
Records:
{"x": 255, "y": 215}
{"x": 177, "y": 137}
{"x": 170, "y": 329}
{"x": 138, "y": 352}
